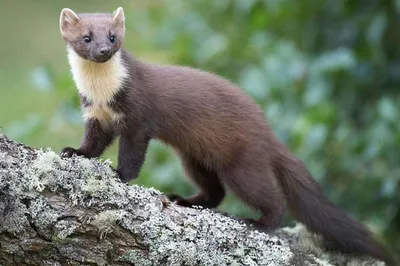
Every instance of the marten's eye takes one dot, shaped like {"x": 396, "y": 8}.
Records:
{"x": 87, "y": 39}
{"x": 112, "y": 38}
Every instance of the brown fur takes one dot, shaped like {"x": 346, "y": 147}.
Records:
{"x": 218, "y": 131}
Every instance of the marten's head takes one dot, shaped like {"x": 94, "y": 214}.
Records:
{"x": 95, "y": 37}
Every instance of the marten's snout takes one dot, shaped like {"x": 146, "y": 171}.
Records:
{"x": 102, "y": 54}
{"x": 105, "y": 51}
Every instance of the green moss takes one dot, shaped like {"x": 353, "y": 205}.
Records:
{"x": 105, "y": 219}
{"x": 136, "y": 257}
{"x": 14, "y": 221}
{"x": 63, "y": 229}
{"x": 307, "y": 241}
{"x": 205, "y": 238}
{"x": 42, "y": 214}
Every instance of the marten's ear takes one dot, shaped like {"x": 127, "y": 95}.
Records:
{"x": 119, "y": 17}
{"x": 68, "y": 18}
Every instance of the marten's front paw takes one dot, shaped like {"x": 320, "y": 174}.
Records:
{"x": 68, "y": 152}
{"x": 123, "y": 175}
{"x": 179, "y": 200}
{"x": 173, "y": 197}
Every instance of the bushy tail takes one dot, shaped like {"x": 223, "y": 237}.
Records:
{"x": 312, "y": 208}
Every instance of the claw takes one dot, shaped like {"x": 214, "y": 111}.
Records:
{"x": 68, "y": 152}
{"x": 179, "y": 200}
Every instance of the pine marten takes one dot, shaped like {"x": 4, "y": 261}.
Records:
{"x": 219, "y": 132}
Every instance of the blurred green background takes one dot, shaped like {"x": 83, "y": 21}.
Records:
{"x": 327, "y": 74}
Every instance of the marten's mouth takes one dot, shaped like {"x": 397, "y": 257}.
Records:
{"x": 101, "y": 59}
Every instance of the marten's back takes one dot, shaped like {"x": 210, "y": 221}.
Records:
{"x": 202, "y": 114}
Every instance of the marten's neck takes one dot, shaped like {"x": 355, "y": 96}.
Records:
{"x": 98, "y": 82}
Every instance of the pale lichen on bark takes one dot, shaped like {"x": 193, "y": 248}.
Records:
{"x": 75, "y": 211}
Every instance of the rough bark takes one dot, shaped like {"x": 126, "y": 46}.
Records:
{"x": 74, "y": 211}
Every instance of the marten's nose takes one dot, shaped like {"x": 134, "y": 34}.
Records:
{"x": 105, "y": 50}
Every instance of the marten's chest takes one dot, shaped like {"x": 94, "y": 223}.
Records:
{"x": 98, "y": 84}
{"x": 105, "y": 113}
{"x": 100, "y": 95}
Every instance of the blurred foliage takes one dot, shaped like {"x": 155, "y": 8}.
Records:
{"x": 327, "y": 74}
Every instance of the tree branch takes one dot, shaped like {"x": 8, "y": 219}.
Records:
{"x": 74, "y": 211}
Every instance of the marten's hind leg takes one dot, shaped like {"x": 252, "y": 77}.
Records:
{"x": 256, "y": 184}
{"x": 212, "y": 191}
